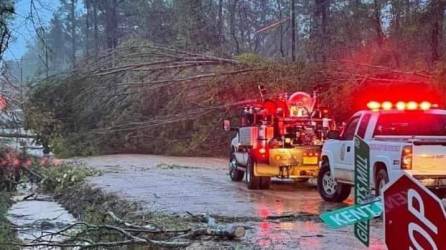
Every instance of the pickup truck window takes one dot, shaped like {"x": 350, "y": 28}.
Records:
{"x": 350, "y": 128}
{"x": 413, "y": 124}
{"x": 363, "y": 125}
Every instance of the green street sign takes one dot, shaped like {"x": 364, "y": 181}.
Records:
{"x": 362, "y": 186}
{"x": 352, "y": 214}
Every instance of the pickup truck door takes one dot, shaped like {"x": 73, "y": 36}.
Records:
{"x": 345, "y": 167}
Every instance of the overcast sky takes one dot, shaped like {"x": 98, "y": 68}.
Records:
{"x": 23, "y": 29}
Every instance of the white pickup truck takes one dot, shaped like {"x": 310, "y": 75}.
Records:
{"x": 403, "y": 138}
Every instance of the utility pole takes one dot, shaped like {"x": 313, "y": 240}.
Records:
{"x": 293, "y": 30}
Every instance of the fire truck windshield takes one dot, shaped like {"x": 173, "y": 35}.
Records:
{"x": 411, "y": 124}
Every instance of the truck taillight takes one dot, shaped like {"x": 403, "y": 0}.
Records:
{"x": 311, "y": 154}
{"x": 406, "y": 158}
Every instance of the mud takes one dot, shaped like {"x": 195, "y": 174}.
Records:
{"x": 182, "y": 185}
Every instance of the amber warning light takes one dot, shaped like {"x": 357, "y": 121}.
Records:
{"x": 412, "y": 105}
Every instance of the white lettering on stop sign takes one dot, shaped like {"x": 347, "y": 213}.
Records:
{"x": 420, "y": 214}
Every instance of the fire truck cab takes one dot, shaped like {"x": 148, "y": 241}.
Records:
{"x": 280, "y": 137}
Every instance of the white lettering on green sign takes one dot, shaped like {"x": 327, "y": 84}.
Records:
{"x": 362, "y": 186}
{"x": 353, "y": 214}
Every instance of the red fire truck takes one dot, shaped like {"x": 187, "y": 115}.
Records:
{"x": 278, "y": 137}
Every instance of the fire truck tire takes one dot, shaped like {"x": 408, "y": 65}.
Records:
{"x": 328, "y": 188}
{"x": 252, "y": 181}
{"x": 265, "y": 182}
{"x": 234, "y": 173}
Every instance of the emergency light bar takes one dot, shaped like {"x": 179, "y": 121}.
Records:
{"x": 412, "y": 105}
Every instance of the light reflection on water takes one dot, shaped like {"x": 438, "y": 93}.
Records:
{"x": 304, "y": 234}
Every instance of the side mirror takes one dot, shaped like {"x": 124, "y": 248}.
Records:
{"x": 334, "y": 134}
{"x": 227, "y": 125}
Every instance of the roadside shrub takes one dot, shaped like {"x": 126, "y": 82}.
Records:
{"x": 6, "y": 233}
{"x": 11, "y": 163}
{"x": 78, "y": 144}
{"x": 61, "y": 176}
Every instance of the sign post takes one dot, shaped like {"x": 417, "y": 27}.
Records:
{"x": 414, "y": 217}
{"x": 362, "y": 186}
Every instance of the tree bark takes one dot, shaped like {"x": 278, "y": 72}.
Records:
{"x": 87, "y": 28}
{"x": 279, "y": 7}
{"x": 377, "y": 21}
{"x": 232, "y": 25}
{"x": 293, "y": 31}
{"x": 438, "y": 8}
{"x": 73, "y": 32}
{"x": 96, "y": 31}
{"x": 111, "y": 23}
{"x": 221, "y": 35}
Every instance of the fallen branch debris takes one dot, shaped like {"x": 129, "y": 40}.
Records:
{"x": 82, "y": 235}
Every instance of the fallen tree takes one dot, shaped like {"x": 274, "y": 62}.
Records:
{"x": 142, "y": 98}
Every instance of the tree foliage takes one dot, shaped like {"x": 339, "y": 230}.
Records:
{"x": 128, "y": 91}
{"x": 6, "y": 12}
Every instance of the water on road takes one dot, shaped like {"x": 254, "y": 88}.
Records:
{"x": 201, "y": 185}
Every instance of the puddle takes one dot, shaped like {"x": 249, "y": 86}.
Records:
{"x": 38, "y": 217}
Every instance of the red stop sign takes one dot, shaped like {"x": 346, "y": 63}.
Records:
{"x": 414, "y": 217}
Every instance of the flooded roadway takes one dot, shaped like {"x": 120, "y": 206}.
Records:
{"x": 201, "y": 185}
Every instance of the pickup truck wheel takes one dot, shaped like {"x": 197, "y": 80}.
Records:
{"x": 252, "y": 181}
{"x": 382, "y": 178}
{"x": 328, "y": 188}
{"x": 234, "y": 173}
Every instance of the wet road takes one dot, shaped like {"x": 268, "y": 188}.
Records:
{"x": 202, "y": 185}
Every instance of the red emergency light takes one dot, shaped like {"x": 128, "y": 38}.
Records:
{"x": 399, "y": 94}
{"x": 411, "y": 105}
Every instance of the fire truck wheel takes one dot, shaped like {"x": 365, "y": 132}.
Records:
{"x": 252, "y": 181}
{"x": 234, "y": 173}
{"x": 382, "y": 178}
{"x": 327, "y": 186}
{"x": 265, "y": 182}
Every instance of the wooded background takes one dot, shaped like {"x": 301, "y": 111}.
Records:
{"x": 158, "y": 76}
